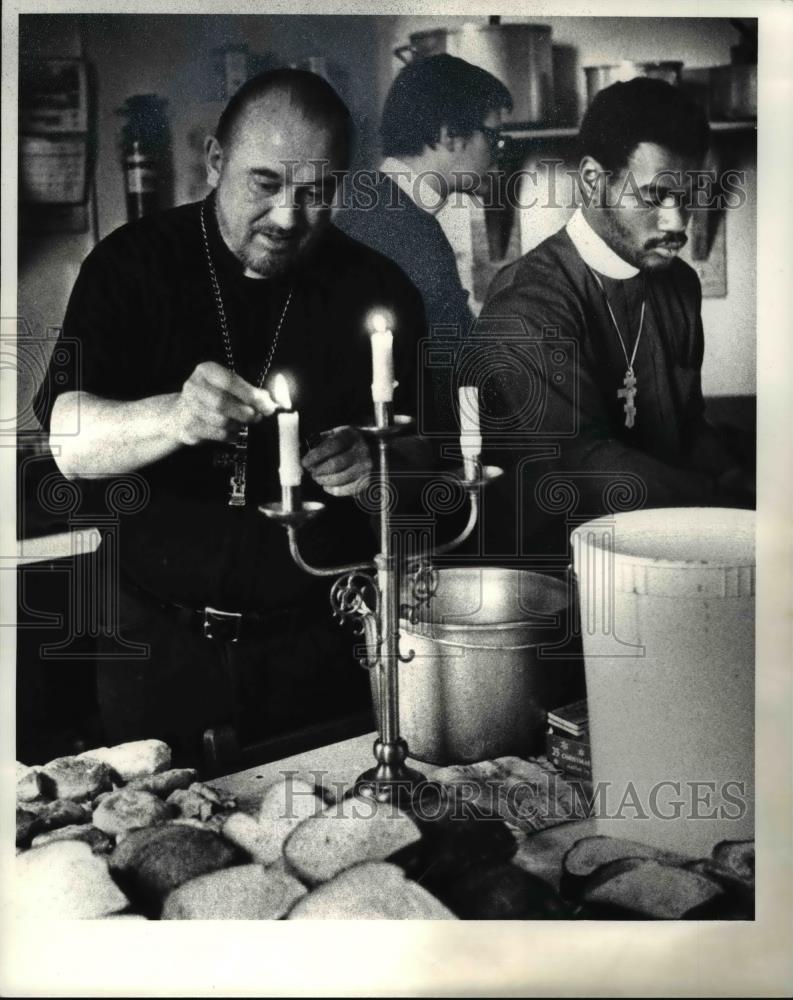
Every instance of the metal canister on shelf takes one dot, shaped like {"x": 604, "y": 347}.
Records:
{"x": 600, "y": 77}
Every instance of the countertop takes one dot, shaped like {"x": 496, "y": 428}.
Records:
{"x": 338, "y": 765}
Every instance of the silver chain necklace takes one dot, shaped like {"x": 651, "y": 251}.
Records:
{"x": 629, "y": 383}
{"x": 239, "y": 459}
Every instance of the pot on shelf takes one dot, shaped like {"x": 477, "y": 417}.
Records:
{"x": 517, "y": 54}
{"x": 600, "y": 77}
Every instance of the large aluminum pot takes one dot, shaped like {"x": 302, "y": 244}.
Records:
{"x": 600, "y": 77}
{"x": 479, "y": 685}
{"x": 518, "y": 54}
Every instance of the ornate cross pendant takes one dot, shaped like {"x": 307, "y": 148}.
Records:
{"x": 239, "y": 473}
{"x": 238, "y": 462}
{"x": 628, "y": 394}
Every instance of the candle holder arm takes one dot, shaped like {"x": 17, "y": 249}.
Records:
{"x": 485, "y": 475}
{"x": 457, "y": 541}
{"x": 294, "y": 551}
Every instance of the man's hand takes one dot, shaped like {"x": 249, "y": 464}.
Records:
{"x": 216, "y": 403}
{"x": 339, "y": 461}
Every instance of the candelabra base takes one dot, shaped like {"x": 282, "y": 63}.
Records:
{"x": 390, "y": 780}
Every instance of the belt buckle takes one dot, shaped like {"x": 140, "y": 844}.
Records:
{"x": 222, "y": 624}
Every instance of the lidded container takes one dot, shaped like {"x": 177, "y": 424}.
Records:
{"x": 667, "y": 622}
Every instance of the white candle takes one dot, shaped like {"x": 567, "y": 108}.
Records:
{"x": 382, "y": 361}
{"x": 470, "y": 432}
{"x": 290, "y": 471}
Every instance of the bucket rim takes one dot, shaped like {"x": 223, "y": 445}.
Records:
{"x": 440, "y": 640}
{"x": 749, "y": 562}
{"x": 478, "y": 627}
{"x": 459, "y": 635}
{"x": 495, "y": 568}
{"x": 469, "y": 635}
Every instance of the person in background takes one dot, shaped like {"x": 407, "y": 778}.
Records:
{"x": 440, "y": 131}
{"x": 589, "y": 348}
{"x": 183, "y": 318}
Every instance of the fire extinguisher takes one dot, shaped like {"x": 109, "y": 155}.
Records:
{"x": 146, "y": 154}
{"x": 141, "y": 183}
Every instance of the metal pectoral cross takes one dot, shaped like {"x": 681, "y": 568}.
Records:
{"x": 238, "y": 462}
{"x": 238, "y": 479}
{"x": 628, "y": 394}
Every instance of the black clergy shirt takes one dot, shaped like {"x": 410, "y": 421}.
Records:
{"x": 387, "y": 219}
{"x": 549, "y": 363}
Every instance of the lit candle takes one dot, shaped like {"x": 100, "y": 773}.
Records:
{"x": 470, "y": 432}
{"x": 382, "y": 360}
{"x": 290, "y": 471}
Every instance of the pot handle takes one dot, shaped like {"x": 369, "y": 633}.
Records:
{"x": 401, "y": 49}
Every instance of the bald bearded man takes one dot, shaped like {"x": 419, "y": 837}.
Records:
{"x": 183, "y": 319}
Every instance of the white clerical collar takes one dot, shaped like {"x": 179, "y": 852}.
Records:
{"x": 595, "y": 251}
{"x": 415, "y": 186}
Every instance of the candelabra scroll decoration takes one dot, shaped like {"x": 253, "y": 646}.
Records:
{"x": 348, "y": 601}
{"x": 367, "y": 595}
{"x": 423, "y": 585}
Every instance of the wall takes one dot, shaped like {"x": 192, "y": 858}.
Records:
{"x": 171, "y": 56}
{"x": 47, "y": 265}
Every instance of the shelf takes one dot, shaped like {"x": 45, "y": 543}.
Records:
{"x": 742, "y": 126}
{"x": 529, "y": 132}
{"x": 520, "y": 132}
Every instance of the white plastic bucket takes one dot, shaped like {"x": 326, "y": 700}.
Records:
{"x": 667, "y": 621}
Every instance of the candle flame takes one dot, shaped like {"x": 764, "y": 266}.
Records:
{"x": 379, "y": 321}
{"x": 281, "y": 392}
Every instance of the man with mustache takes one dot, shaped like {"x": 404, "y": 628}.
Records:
{"x": 183, "y": 319}
{"x": 589, "y": 349}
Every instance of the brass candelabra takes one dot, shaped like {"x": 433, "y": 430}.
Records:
{"x": 368, "y": 595}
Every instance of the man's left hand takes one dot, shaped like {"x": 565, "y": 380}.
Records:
{"x": 340, "y": 461}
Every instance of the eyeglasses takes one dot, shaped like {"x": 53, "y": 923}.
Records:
{"x": 495, "y": 139}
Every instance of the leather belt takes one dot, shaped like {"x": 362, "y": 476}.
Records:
{"x": 231, "y": 626}
{"x": 223, "y": 625}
